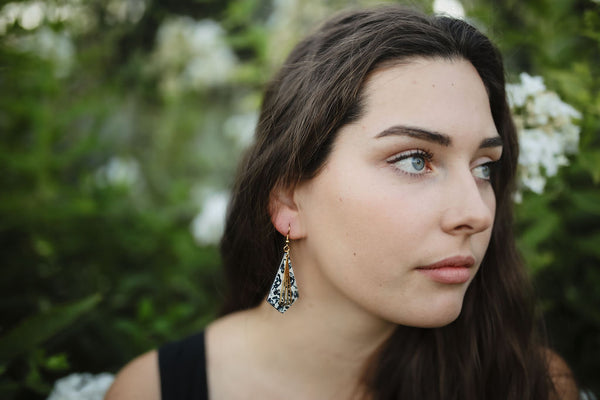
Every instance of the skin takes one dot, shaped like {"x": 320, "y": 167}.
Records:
{"x": 359, "y": 230}
{"x": 404, "y": 213}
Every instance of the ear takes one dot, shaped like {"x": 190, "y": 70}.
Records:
{"x": 284, "y": 212}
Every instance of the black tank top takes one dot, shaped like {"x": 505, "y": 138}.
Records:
{"x": 182, "y": 367}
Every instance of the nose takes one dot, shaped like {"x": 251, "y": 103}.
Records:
{"x": 469, "y": 206}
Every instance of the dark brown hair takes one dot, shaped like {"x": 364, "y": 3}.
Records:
{"x": 492, "y": 350}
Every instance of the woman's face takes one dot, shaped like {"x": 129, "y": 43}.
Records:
{"x": 399, "y": 218}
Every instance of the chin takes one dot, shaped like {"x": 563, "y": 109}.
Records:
{"x": 439, "y": 321}
{"x": 435, "y": 315}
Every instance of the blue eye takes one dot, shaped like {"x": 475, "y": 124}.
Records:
{"x": 418, "y": 163}
{"x": 484, "y": 171}
{"x": 414, "y": 162}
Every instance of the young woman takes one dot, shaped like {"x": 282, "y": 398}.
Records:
{"x": 368, "y": 246}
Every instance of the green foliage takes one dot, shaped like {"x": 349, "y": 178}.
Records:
{"x": 35, "y": 330}
{"x": 104, "y": 163}
{"x": 25, "y": 340}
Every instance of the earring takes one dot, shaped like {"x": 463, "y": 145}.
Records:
{"x": 284, "y": 290}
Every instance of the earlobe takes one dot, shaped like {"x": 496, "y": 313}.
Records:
{"x": 284, "y": 212}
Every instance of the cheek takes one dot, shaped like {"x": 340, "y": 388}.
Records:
{"x": 380, "y": 220}
{"x": 367, "y": 224}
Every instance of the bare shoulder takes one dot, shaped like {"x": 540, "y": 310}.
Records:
{"x": 230, "y": 357}
{"x": 224, "y": 340}
{"x": 137, "y": 380}
{"x": 562, "y": 377}
{"x": 226, "y": 331}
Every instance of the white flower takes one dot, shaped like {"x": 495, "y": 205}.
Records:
{"x": 126, "y": 10}
{"x": 207, "y": 226}
{"x": 288, "y": 23}
{"x": 546, "y": 131}
{"x": 119, "y": 172}
{"x": 30, "y": 15}
{"x": 192, "y": 54}
{"x": 47, "y": 44}
{"x": 82, "y": 387}
{"x": 548, "y": 105}
{"x": 240, "y": 127}
{"x": 585, "y": 394}
{"x": 529, "y": 86}
{"x": 75, "y": 15}
{"x": 532, "y": 84}
{"x": 538, "y": 149}
{"x": 450, "y": 7}
{"x": 516, "y": 95}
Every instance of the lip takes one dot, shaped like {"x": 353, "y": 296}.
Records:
{"x": 452, "y": 270}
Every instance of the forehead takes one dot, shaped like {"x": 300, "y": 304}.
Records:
{"x": 437, "y": 94}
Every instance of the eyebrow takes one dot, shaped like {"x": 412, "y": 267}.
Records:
{"x": 434, "y": 137}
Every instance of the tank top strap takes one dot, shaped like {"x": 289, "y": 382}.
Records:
{"x": 182, "y": 367}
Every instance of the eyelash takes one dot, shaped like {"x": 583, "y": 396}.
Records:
{"x": 421, "y": 153}
{"x": 427, "y": 156}
{"x": 492, "y": 165}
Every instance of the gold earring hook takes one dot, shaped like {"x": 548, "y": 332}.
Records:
{"x": 286, "y": 247}
{"x": 285, "y": 296}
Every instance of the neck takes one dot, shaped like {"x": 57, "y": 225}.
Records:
{"x": 318, "y": 342}
{"x": 325, "y": 338}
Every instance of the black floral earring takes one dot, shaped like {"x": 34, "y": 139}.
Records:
{"x": 284, "y": 290}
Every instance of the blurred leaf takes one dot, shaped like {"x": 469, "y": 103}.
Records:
{"x": 8, "y": 388}
{"x": 34, "y": 330}
{"x": 591, "y": 161}
{"x": 587, "y": 201}
{"x": 58, "y": 362}
{"x": 34, "y": 380}
{"x": 579, "y": 303}
{"x": 592, "y": 22}
{"x": 590, "y": 245}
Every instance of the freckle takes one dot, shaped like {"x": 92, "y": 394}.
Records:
{"x": 433, "y": 85}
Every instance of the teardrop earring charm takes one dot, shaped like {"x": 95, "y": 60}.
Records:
{"x": 284, "y": 290}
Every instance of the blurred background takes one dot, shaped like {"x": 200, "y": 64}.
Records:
{"x": 121, "y": 123}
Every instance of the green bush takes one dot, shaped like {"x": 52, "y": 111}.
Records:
{"x": 109, "y": 148}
